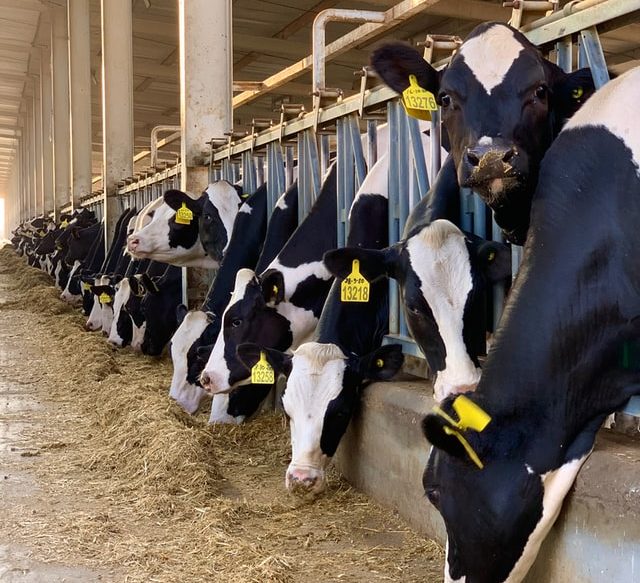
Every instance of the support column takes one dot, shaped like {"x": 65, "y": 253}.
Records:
{"x": 46, "y": 105}
{"x": 80, "y": 92}
{"x": 205, "y": 99}
{"x": 117, "y": 104}
{"x": 61, "y": 133}
{"x": 37, "y": 141}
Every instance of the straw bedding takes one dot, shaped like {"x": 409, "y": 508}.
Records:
{"x": 131, "y": 486}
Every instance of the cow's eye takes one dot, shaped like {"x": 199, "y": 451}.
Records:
{"x": 541, "y": 92}
{"x": 235, "y": 323}
{"x": 445, "y": 100}
{"x": 433, "y": 494}
{"x": 207, "y": 217}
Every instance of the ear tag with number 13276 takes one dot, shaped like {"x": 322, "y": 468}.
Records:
{"x": 354, "y": 288}
{"x": 418, "y": 101}
{"x": 262, "y": 372}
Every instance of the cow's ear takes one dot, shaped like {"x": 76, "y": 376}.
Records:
{"x": 492, "y": 259}
{"x": 382, "y": 363}
{"x": 181, "y": 312}
{"x": 149, "y": 284}
{"x": 176, "y": 198}
{"x": 272, "y": 284}
{"x": 395, "y": 62}
{"x": 373, "y": 263}
{"x": 249, "y": 354}
{"x": 240, "y": 191}
{"x": 455, "y": 425}
{"x": 570, "y": 91}
{"x": 101, "y": 289}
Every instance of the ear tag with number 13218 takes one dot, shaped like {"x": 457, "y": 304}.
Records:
{"x": 354, "y": 288}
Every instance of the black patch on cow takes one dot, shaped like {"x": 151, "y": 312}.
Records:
{"x": 311, "y": 294}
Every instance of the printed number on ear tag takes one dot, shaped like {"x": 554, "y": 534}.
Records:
{"x": 104, "y": 298}
{"x": 184, "y": 216}
{"x": 354, "y": 288}
{"x": 262, "y": 372}
{"x": 417, "y": 101}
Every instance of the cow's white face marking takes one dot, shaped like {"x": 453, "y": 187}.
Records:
{"x": 315, "y": 380}
{"x": 282, "y": 203}
{"x": 556, "y": 484}
{"x": 66, "y": 295}
{"x": 107, "y": 318}
{"x": 485, "y": 141}
{"x": 137, "y": 336}
{"x": 439, "y": 257}
{"x": 245, "y": 208}
{"x": 225, "y": 198}
{"x": 219, "y": 414}
{"x": 123, "y": 291}
{"x": 447, "y": 575}
{"x": 612, "y": 107}
{"x": 490, "y": 55}
{"x": 216, "y": 368}
{"x": 94, "y": 322}
{"x": 187, "y": 395}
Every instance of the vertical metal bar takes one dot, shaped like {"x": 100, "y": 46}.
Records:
{"x": 594, "y": 55}
{"x": 360, "y": 165}
{"x": 466, "y": 210}
{"x": 404, "y": 174}
{"x": 302, "y": 178}
{"x": 479, "y": 216}
{"x": 419, "y": 160}
{"x": 498, "y": 288}
{"x": 324, "y": 153}
{"x": 289, "y": 165}
{"x": 259, "y": 167}
{"x": 436, "y": 144}
{"x": 564, "y": 49}
{"x": 341, "y": 162}
{"x": 372, "y": 143}
{"x": 394, "y": 231}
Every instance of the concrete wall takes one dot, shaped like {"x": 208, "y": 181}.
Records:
{"x": 597, "y": 536}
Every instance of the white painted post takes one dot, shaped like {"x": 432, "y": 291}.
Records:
{"x": 117, "y": 104}
{"x": 60, "y": 86}
{"x": 46, "y": 105}
{"x": 37, "y": 140}
{"x": 79, "y": 22}
{"x": 206, "y": 76}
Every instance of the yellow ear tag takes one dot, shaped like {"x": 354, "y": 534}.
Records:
{"x": 492, "y": 256}
{"x": 104, "y": 298}
{"x": 41, "y": 233}
{"x": 262, "y": 372}
{"x": 64, "y": 223}
{"x": 354, "y": 288}
{"x": 577, "y": 93}
{"x": 417, "y": 101}
{"x": 470, "y": 416}
{"x": 86, "y": 286}
{"x": 379, "y": 363}
{"x": 184, "y": 216}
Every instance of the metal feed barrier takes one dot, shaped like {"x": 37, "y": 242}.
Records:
{"x": 303, "y": 142}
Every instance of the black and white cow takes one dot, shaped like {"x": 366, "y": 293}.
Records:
{"x": 174, "y": 239}
{"x": 442, "y": 275}
{"x": 201, "y": 327}
{"x": 326, "y": 376}
{"x": 502, "y": 104}
{"x": 281, "y": 307}
{"x": 554, "y": 371}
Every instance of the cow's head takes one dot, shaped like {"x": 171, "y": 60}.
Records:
{"x": 185, "y": 384}
{"x": 133, "y": 306}
{"x": 121, "y": 331}
{"x": 323, "y": 391}
{"x": 502, "y": 104}
{"x": 498, "y": 505}
{"x": 441, "y": 273}
{"x": 250, "y": 316}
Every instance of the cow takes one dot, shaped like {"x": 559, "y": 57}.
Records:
{"x": 442, "y": 273}
{"x": 172, "y": 235}
{"x": 326, "y": 376}
{"x": 200, "y": 327}
{"x": 280, "y": 308}
{"x": 505, "y": 456}
{"x": 502, "y": 105}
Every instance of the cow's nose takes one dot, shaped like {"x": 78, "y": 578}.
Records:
{"x": 299, "y": 479}
{"x": 133, "y": 243}
{"x": 479, "y": 155}
{"x": 205, "y": 381}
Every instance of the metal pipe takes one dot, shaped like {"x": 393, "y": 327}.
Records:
{"x": 567, "y": 9}
{"x": 319, "y": 29}
{"x": 154, "y": 140}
